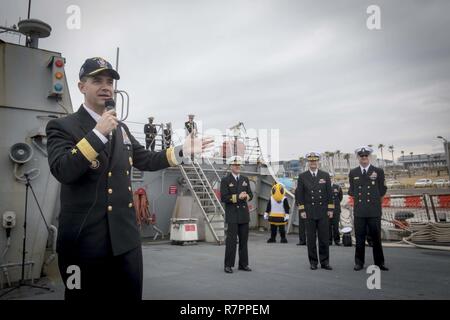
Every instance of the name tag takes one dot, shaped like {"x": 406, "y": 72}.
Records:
{"x": 322, "y": 181}
{"x": 244, "y": 184}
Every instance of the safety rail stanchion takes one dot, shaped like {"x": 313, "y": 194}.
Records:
{"x": 425, "y": 202}
{"x": 434, "y": 210}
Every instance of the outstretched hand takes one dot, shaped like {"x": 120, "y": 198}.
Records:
{"x": 196, "y": 146}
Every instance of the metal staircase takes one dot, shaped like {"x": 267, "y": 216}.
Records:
{"x": 207, "y": 200}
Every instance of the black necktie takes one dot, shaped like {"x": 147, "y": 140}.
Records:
{"x": 314, "y": 175}
{"x": 111, "y": 142}
{"x": 237, "y": 179}
{"x": 364, "y": 172}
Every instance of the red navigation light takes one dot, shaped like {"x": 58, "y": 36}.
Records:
{"x": 59, "y": 63}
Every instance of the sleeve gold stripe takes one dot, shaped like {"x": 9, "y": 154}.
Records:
{"x": 170, "y": 154}
{"x": 234, "y": 198}
{"x": 331, "y": 206}
{"x": 301, "y": 207}
{"x": 86, "y": 149}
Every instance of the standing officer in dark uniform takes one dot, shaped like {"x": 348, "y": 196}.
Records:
{"x": 90, "y": 152}
{"x": 315, "y": 200}
{"x": 235, "y": 192}
{"x": 334, "y": 221}
{"x": 150, "y": 134}
{"x": 167, "y": 136}
{"x": 367, "y": 187}
{"x": 190, "y": 125}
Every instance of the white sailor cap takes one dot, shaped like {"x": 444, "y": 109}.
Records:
{"x": 312, "y": 156}
{"x": 235, "y": 160}
{"x": 364, "y": 151}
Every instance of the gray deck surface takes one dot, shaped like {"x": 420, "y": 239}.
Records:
{"x": 281, "y": 271}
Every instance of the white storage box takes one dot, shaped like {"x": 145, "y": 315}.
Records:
{"x": 183, "y": 229}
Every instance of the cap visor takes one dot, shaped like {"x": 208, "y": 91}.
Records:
{"x": 113, "y": 73}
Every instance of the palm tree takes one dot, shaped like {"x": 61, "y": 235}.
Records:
{"x": 327, "y": 157}
{"x": 347, "y": 157}
{"x": 381, "y": 146}
{"x": 302, "y": 162}
{"x": 409, "y": 171}
{"x": 331, "y": 154}
{"x": 338, "y": 154}
{"x": 391, "y": 150}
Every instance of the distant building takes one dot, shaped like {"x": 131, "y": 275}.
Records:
{"x": 335, "y": 164}
{"x": 287, "y": 168}
{"x": 420, "y": 161}
{"x": 341, "y": 165}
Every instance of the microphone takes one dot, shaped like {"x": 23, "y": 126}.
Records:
{"x": 110, "y": 104}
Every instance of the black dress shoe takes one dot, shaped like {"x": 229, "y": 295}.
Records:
{"x": 271, "y": 240}
{"x": 358, "y": 267}
{"x": 337, "y": 243}
{"x": 313, "y": 267}
{"x": 327, "y": 267}
{"x": 383, "y": 268}
{"x": 330, "y": 243}
{"x": 228, "y": 270}
{"x": 284, "y": 240}
{"x": 246, "y": 268}
{"x": 301, "y": 244}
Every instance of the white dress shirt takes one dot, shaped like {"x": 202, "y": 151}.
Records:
{"x": 362, "y": 168}
{"x": 96, "y": 117}
{"x": 314, "y": 173}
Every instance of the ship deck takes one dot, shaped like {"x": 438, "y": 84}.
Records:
{"x": 280, "y": 271}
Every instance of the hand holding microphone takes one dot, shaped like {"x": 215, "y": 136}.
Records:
{"x": 108, "y": 122}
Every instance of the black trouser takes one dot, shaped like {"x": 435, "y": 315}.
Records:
{"x": 301, "y": 229}
{"x": 111, "y": 277}
{"x": 371, "y": 227}
{"x": 235, "y": 230}
{"x": 317, "y": 228}
{"x": 334, "y": 227}
{"x": 273, "y": 231}
{"x": 150, "y": 143}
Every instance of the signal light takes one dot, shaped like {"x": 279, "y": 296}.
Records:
{"x": 56, "y": 64}
{"x": 59, "y": 63}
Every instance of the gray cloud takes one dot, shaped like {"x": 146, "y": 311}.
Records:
{"x": 310, "y": 68}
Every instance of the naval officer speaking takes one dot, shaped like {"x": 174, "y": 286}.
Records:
{"x": 90, "y": 152}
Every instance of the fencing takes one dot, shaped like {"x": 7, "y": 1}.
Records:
{"x": 414, "y": 208}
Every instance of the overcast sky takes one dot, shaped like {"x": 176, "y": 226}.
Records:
{"x": 311, "y": 69}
